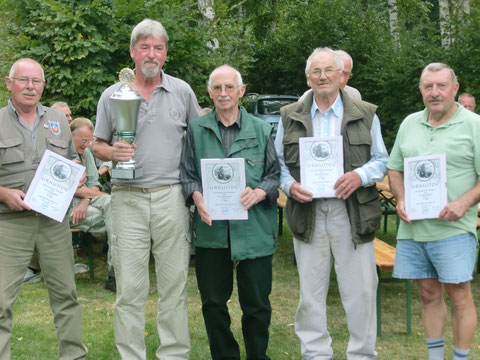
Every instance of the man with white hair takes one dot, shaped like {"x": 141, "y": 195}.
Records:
{"x": 222, "y": 246}
{"x": 347, "y": 74}
{"x": 336, "y": 230}
{"x": 63, "y": 108}
{"x": 28, "y": 130}
{"x": 149, "y": 213}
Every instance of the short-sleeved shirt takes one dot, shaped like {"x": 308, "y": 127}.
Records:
{"x": 459, "y": 140}
{"x": 162, "y": 123}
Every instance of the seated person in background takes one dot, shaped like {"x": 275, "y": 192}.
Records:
{"x": 90, "y": 210}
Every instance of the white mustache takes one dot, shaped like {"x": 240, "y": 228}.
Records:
{"x": 224, "y": 97}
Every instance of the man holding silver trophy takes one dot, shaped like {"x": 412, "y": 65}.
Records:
{"x": 148, "y": 210}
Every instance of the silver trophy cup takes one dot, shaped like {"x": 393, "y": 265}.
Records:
{"x": 125, "y": 105}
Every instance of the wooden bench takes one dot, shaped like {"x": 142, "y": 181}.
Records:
{"x": 281, "y": 203}
{"x": 385, "y": 259}
{"x": 80, "y": 238}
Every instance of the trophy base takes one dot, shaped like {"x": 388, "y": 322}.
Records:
{"x": 127, "y": 174}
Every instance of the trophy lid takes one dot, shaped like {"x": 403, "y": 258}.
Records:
{"x": 126, "y": 77}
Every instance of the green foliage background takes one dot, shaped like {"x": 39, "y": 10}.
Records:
{"x": 82, "y": 45}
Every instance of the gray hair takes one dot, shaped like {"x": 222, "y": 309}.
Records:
{"x": 466, "y": 95}
{"x": 16, "y": 63}
{"x": 59, "y": 105}
{"x": 80, "y": 122}
{"x": 338, "y": 58}
{"x": 148, "y": 27}
{"x": 345, "y": 56}
{"x": 214, "y": 72}
{"x": 438, "y": 67}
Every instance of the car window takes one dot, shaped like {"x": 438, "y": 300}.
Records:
{"x": 272, "y": 106}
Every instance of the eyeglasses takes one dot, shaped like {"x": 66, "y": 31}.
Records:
{"x": 85, "y": 141}
{"x": 23, "y": 80}
{"x": 348, "y": 74}
{"x": 318, "y": 72}
{"x": 229, "y": 88}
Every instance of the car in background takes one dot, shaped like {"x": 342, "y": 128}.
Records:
{"x": 267, "y": 107}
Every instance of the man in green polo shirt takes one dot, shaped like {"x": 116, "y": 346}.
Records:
{"x": 440, "y": 253}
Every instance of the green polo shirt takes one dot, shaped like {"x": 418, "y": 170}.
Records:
{"x": 459, "y": 140}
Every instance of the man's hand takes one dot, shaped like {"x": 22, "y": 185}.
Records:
{"x": 454, "y": 210}
{"x": 347, "y": 184}
{"x": 250, "y": 197}
{"x": 122, "y": 151}
{"x": 202, "y": 210}
{"x": 13, "y": 198}
{"x": 300, "y": 194}
{"x": 80, "y": 211}
{"x": 402, "y": 214}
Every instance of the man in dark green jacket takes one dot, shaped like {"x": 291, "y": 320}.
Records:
{"x": 222, "y": 245}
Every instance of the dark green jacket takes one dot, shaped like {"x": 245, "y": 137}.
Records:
{"x": 252, "y": 238}
{"x": 363, "y": 206}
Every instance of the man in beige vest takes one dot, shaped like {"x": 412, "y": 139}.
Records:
{"x": 335, "y": 230}
{"x": 28, "y": 129}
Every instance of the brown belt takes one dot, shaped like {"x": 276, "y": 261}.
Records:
{"x": 142, "y": 190}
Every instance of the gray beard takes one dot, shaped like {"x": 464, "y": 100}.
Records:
{"x": 150, "y": 74}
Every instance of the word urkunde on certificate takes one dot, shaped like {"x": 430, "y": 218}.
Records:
{"x": 321, "y": 164}
{"x": 53, "y": 186}
{"x": 223, "y": 180}
{"x": 425, "y": 182}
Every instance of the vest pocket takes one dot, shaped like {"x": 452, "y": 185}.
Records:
{"x": 58, "y": 146}
{"x": 11, "y": 151}
{"x": 369, "y": 211}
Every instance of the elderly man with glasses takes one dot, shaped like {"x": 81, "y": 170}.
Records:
{"x": 335, "y": 230}
{"x": 223, "y": 246}
{"x": 28, "y": 130}
{"x": 90, "y": 210}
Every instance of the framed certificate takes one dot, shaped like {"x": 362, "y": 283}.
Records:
{"x": 425, "y": 182}
{"x": 321, "y": 164}
{"x": 54, "y": 185}
{"x": 223, "y": 180}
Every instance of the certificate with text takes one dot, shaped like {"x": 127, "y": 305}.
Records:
{"x": 425, "y": 182}
{"x": 54, "y": 185}
{"x": 223, "y": 180}
{"x": 321, "y": 164}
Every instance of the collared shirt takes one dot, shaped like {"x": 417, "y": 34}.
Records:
{"x": 458, "y": 139}
{"x": 324, "y": 124}
{"x": 31, "y": 132}
{"x": 190, "y": 185}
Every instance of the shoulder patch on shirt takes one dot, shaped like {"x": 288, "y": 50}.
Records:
{"x": 54, "y": 127}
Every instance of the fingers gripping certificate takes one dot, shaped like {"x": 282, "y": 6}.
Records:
{"x": 321, "y": 164}
{"x": 54, "y": 185}
{"x": 425, "y": 181}
{"x": 223, "y": 180}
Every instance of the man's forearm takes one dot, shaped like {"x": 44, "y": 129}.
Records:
{"x": 87, "y": 193}
{"x": 103, "y": 150}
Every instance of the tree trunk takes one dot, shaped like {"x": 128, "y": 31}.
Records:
{"x": 445, "y": 22}
{"x": 393, "y": 15}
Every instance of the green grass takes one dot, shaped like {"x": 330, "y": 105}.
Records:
{"x": 34, "y": 336}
